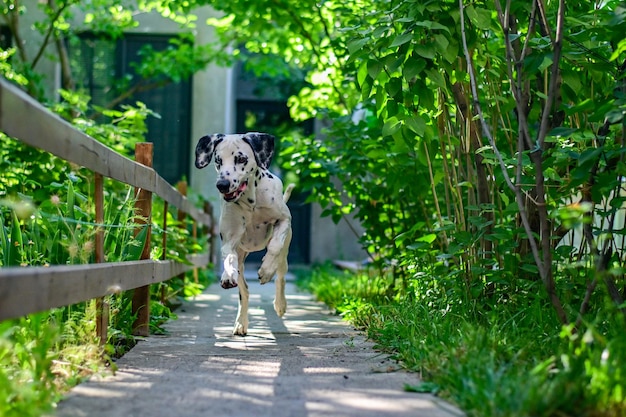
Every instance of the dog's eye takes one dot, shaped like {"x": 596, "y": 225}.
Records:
{"x": 218, "y": 161}
{"x": 241, "y": 159}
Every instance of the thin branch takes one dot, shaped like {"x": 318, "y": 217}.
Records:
{"x": 516, "y": 84}
{"x": 585, "y": 304}
{"x": 137, "y": 88}
{"x": 543, "y": 16}
{"x": 554, "y": 77}
{"x": 12, "y": 19}
{"x": 50, "y": 31}
{"x": 531, "y": 28}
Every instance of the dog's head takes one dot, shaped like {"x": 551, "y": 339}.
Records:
{"x": 237, "y": 159}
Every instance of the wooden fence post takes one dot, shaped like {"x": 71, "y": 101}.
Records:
{"x": 143, "y": 205}
{"x": 102, "y": 307}
{"x": 181, "y": 186}
{"x": 164, "y": 246}
{"x": 210, "y": 229}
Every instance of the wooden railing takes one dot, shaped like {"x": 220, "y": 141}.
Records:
{"x": 25, "y": 290}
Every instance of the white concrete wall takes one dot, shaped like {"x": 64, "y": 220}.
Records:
{"x": 330, "y": 241}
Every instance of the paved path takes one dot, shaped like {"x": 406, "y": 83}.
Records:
{"x": 308, "y": 364}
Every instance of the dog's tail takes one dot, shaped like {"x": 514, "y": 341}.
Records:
{"x": 287, "y": 192}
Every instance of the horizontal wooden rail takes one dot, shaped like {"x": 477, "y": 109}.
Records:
{"x": 25, "y": 118}
{"x": 33, "y": 289}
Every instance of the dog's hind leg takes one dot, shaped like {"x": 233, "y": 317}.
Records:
{"x": 277, "y": 249}
{"x": 280, "y": 302}
{"x": 241, "y": 323}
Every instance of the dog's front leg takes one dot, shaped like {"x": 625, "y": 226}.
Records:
{"x": 231, "y": 233}
{"x": 241, "y": 323}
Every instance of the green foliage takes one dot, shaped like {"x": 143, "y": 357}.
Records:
{"x": 506, "y": 196}
{"x": 507, "y": 359}
{"x": 26, "y": 366}
{"x": 179, "y": 61}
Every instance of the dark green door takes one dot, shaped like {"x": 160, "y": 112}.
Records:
{"x": 98, "y": 66}
{"x": 171, "y": 132}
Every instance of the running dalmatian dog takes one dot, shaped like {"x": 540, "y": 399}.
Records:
{"x": 254, "y": 213}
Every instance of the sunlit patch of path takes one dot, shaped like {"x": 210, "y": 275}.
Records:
{"x": 307, "y": 364}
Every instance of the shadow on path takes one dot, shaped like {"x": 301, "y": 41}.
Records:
{"x": 308, "y": 364}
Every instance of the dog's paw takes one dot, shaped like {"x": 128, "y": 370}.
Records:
{"x": 280, "y": 306}
{"x": 240, "y": 329}
{"x": 266, "y": 274}
{"x": 227, "y": 281}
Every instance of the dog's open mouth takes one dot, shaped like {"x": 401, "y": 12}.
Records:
{"x": 235, "y": 194}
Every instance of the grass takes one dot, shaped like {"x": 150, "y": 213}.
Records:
{"x": 41, "y": 356}
{"x": 491, "y": 359}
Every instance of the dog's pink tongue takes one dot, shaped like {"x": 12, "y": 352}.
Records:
{"x": 238, "y": 191}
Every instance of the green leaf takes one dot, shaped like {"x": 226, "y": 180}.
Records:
{"x": 581, "y": 107}
{"x": 71, "y": 200}
{"x": 413, "y": 67}
{"x": 391, "y": 126}
{"x": 450, "y": 53}
{"x": 394, "y": 87}
{"x": 355, "y": 45}
{"x": 546, "y": 62}
{"x": 436, "y": 77}
{"x": 432, "y": 25}
{"x": 16, "y": 244}
{"x": 442, "y": 42}
{"x": 401, "y": 39}
{"x": 132, "y": 251}
{"x": 362, "y": 73}
{"x": 373, "y": 68}
{"x": 481, "y": 18}
{"x": 427, "y": 51}
{"x": 417, "y": 124}
{"x": 615, "y": 116}
{"x": 366, "y": 88}
{"x": 429, "y": 238}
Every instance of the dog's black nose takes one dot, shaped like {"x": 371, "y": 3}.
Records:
{"x": 223, "y": 185}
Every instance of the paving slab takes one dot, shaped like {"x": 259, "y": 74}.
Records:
{"x": 308, "y": 364}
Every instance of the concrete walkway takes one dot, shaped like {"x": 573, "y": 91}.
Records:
{"x": 308, "y": 364}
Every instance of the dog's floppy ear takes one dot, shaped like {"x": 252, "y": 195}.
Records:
{"x": 262, "y": 145}
{"x": 205, "y": 149}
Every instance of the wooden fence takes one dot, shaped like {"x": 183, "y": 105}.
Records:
{"x": 25, "y": 290}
